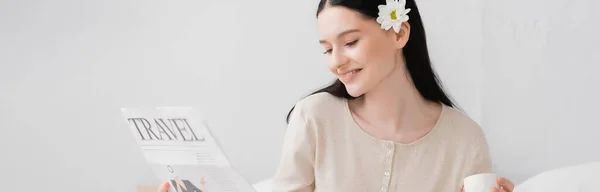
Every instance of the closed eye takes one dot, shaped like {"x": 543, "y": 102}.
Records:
{"x": 352, "y": 43}
{"x": 349, "y": 44}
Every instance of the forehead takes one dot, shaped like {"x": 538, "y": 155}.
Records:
{"x": 336, "y": 19}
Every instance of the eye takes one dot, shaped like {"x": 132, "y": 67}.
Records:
{"x": 351, "y": 43}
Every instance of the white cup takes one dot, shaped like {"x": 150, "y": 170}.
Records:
{"x": 484, "y": 182}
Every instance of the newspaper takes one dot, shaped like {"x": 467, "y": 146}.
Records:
{"x": 180, "y": 149}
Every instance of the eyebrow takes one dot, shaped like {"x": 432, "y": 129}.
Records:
{"x": 342, "y": 34}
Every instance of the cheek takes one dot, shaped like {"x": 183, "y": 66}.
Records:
{"x": 377, "y": 58}
{"x": 365, "y": 54}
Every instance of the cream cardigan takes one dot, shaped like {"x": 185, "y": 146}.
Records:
{"x": 325, "y": 150}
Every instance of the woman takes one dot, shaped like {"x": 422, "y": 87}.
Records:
{"x": 385, "y": 124}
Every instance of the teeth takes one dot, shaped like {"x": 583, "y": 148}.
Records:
{"x": 351, "y": 72}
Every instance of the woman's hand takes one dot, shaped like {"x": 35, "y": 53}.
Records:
{"x": 505, "y": 185}
{"x": 164, "y": 187}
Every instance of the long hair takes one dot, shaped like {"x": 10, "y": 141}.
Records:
{"x": 418, "y": 63}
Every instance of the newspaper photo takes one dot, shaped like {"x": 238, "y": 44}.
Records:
{"x": 179, "y": 148}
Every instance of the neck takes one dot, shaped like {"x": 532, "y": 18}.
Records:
{"x": 396, "y": 105}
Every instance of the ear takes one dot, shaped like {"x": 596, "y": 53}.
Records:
{"x": 403, "y": 35}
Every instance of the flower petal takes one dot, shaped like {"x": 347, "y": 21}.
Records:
{"x": 401, "y": 4}
{"x": 381, "y": 14}
{"x": 387, "y": 24}
{"x": 380, "y": 19}
{"x": 406, "y": 11}
{"x": 399, "y": 14}
{"x": 385, "y": 11}
{"x": 392, "y": 5}
{"x": 389, "y": 2}
{"x": 382, "y": 8}
{"x": 404, "y": 18}
{"x": 397, "y": 27}
{"x": 395, "y": 5}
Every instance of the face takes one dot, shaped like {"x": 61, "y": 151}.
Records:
{"x": 357, "y": 50}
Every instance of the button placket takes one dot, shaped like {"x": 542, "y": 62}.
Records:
{"x": 386, "y": 175}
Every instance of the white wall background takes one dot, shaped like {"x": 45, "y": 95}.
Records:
{"x": 541, "y": 90}
{"x": 455, "y": 40}
{"x": 66, "y": 67}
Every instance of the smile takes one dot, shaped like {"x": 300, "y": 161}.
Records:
{"x": 348, "y": 76}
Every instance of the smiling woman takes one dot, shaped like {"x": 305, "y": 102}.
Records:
{"x": 352, "y": 20}
{"x": 385, "y": 124}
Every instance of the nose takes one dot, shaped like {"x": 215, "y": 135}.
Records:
{"x": 338, "y": 59}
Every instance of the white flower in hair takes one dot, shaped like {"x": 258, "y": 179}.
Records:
{"x": 392, "y": 14}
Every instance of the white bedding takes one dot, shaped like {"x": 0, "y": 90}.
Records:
{"x": 578, "y": 178}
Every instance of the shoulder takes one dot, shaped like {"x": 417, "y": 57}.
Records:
{"x": 315, "y": 115}
{"x": 462, "y": 125}
{"x": 318, "y": 100}
{"x": 470, "y": 140}
{"x": 320, "y": 106}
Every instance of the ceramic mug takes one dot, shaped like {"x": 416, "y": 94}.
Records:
{"x": 484, "y": 182}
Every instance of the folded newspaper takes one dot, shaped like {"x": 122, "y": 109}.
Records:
{"x": 179, "y": 148}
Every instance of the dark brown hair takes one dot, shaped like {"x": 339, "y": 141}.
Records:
{"x": 415, "y": 51}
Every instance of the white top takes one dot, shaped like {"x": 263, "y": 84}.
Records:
{"x": 325, "y": 150}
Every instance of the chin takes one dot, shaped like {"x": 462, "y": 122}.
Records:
{"x": 355, "y": 90}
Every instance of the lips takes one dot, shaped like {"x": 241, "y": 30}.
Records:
{"x": 348, "y": 75}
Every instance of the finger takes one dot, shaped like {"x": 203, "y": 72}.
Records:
{"x": 505, "y": 184}
{"x": 164, "y": 187}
